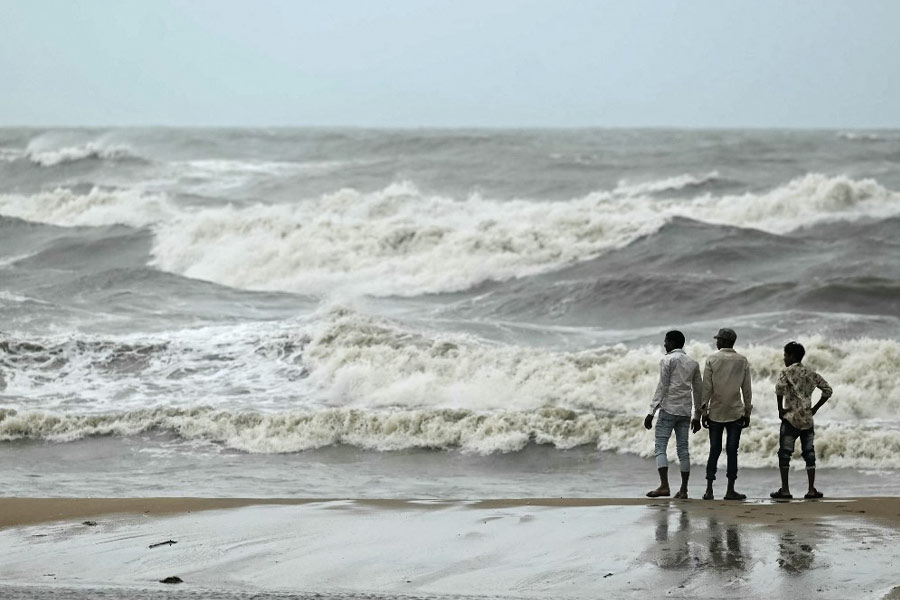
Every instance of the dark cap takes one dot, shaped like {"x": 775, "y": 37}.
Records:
{"x": 726, "y": 334}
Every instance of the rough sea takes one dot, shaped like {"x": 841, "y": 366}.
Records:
{"x": 430, "y": 313}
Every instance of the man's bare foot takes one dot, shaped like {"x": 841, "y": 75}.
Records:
{"x": 735, "y": 496}
{"x": 660, "y": 491}
{"x": 681, "y": 495}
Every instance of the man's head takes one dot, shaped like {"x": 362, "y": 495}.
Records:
{"x": 793, "y": 353}
{"x": 674, "y": 339}
{"x": 725, "y": 338}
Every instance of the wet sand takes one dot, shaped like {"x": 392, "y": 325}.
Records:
{"x": 26, "y": 511}
{"x": 511, "y": 548}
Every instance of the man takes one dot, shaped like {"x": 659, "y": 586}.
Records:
{"x": 679, "y": 385}
{"x": 793, "y": 391}
{"x": 725, "y": 407}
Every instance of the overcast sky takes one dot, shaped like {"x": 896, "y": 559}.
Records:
{"x": 496, "y": 63}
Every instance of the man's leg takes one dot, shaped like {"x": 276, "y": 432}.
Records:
{"x": 787, "y": 437}
{"x": 715, "y": 450}
{"x": 682, "y": 433}
{"x": 731, "y": 452}
{"x": 808, "y": 450}
{"x": 663, "y": 432}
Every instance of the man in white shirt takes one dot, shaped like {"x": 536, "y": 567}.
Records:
{"x": 726, "y": 407}
{"x": 679, "y": 387}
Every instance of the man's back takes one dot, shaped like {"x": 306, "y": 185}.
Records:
{"x": 725, "y": 378}
{"x": 679, "y": 385}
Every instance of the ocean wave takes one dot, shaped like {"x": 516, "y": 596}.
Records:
{"x": 396, "y": 241}
{"x": 88, "y": 151}
{"x": 669, "y": 184}
{"x": 341, "y": 359}
{"x": 837, "y": 445}
{"x": 399, "y": 241}
{"x": 860, "y": 136}
{"x": 65, "y": 207}
{"x": 10, "y": 154}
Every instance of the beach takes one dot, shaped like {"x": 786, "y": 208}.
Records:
{"x": 416, "y": 363}
{"x": 500, "y": 548}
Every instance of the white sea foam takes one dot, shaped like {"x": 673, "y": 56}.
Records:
{"x": 346, "y": 378}
{"x": 90, "y": 150}
{"x": 400, "y": 241}
{"x": 390, "y": 430}
{"x": 393, "y": 242}
{"x": 10, "y": 154}
{"x": 678, "y": 182}
{"x": 860, "y": 136}
{"x": 99, "y": 207}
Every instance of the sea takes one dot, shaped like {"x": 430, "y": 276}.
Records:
{"x": 431, "y": 313}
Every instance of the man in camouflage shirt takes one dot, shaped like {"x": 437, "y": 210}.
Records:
{"x": 793, "y": 391}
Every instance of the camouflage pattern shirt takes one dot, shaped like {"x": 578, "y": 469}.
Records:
{"x": 796, "y": 383}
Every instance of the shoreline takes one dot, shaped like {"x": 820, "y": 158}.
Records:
{"x": 526, "y": 548}
{"x": 20, "y": 511}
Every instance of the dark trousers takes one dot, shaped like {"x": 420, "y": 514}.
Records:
{"x": 716, "y": 430}
{"x": 787, "y": 438}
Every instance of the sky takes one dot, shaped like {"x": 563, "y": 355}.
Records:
{"x": 451, "y": 63}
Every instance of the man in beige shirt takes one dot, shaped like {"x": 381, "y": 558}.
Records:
{"x": 725, "y": 407}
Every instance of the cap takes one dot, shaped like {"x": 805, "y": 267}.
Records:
{"x": 726, "y": 334}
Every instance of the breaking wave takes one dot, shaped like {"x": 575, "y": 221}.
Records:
{"x": 400, "y": 241}
{"x": 439, "y": 429}
{"x": 65, "y": 207}
{"x": 70, "y": 154}
{"x": 351, "y": 379}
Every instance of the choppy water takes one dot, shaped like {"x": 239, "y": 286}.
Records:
{"x": 277, "y": 291}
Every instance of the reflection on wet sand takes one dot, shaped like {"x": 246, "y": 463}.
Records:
{"x": 681, "y": 546}
{"x": 674, "y": 550}
{"x": 725, "y": 550}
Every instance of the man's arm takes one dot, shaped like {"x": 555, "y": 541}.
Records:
{"x": 780, "y": 390}
{"x": 662, "y": 388}
{"x": 826, "y": 392}
{"x": 747, "y": 391}
{"x": 707, "y": 392}
{"x": 697, "y": 393}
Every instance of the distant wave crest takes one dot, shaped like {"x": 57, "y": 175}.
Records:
{"x": 401, "y": 241}
{"x": 65, "y": 207}
{"x": 398, "y": 241}
{"x": 88, "y": 151}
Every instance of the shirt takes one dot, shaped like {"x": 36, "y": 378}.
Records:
{"x": 796, "y": 383}
{"x": 726, "y": 378}
{"x": 679, "y": 383}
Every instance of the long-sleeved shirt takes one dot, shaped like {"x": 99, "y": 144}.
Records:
{"x": 679, "y": 384}
{"x": 726, "y": 378}
{"x": 796, "y": 383}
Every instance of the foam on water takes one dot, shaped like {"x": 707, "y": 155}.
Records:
{"x": 400, "y": 241}
{"x": 70, "y": 154}
{"x": 98, "y": 207}
{"x": 351, "y": 379}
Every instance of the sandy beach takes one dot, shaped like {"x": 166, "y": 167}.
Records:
{"x": 516, "y": 548}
